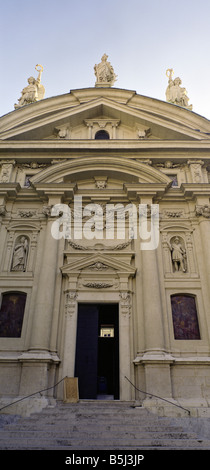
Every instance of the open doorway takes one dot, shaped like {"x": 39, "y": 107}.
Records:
{"x": 97, "y": 351}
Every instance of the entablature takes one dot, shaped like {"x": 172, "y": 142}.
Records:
{"x": 92, "y": 144}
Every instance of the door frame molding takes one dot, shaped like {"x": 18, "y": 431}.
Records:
{"x": 125, "y": 362}
{"x": 96, "y": 278}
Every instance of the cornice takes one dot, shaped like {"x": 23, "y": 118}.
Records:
{"x": 192, "y": 190}
{"x": 8, "y": 190}
{"x": 154, "y": 190}
{"x": 118, "y": 144}
{"x": 65, "y": 190}
{"x": 128, "y": 98}
{"x": 32, "y": 119}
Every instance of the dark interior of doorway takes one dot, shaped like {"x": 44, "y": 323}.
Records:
{"x": 97, "y": 351}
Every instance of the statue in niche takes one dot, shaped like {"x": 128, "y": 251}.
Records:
{"x": 104, "y": 72}
{"x": 20, "y": 255}
{"x": 175, "y": 93}
{"x": 178, "y": 255}
{"x": 34, "y": 91}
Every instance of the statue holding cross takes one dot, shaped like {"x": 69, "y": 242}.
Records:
{"x": 34, "y": 91}
{"x": 175, "y": 93}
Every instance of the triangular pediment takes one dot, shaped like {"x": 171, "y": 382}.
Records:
{"x": 69, "y": 117}
{"x": 98, "y": 265}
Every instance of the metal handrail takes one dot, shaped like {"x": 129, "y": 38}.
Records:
{"x": 156, "y": 396}
{"x": 28, "y": 396}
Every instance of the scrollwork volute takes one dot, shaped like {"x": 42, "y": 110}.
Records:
{"x": 125, "y": 303}
{"x": 2, "y": 209}
{"x": 70, "y": 303}
{"x": 203, "y": 211}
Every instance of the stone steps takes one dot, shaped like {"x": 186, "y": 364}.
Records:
{"x": 122, "y": 444}
{"x": 94, "y": 434}
{"x": 129, "y": 429}
{"x": 99, "y": 425}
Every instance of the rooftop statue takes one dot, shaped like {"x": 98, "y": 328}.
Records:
{"x": 34, "y": 91}
{"x": 105, "y": 76}
{"x": 175, "y": 93}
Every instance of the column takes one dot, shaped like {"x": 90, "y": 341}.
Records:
{"x": 155, "y": 360}
{"x": 38, "y": 364}
{"x": 90, "y": 129}
{"x": 114, "y": 129}
{"x": 41, "y": 328}
{"x": 157, "y": 364}
{"x": 153, "y": 324}
{"x": 114, "y": 126}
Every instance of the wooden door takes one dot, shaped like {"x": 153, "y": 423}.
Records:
{"x": 87, "y": 350}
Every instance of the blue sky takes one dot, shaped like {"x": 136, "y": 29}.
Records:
{"x": 142, "y": 39}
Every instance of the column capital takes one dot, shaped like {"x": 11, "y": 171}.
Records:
{"x": 203, "y": 210}
{"x": 8, "y": 162}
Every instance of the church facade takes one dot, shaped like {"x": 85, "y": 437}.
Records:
{"x": 86, "y": 288}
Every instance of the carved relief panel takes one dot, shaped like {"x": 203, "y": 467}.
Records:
{"x": 6, "y": 169}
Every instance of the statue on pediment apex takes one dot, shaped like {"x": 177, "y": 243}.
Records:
{"x": 104, "y": 73}
{"x": 34, "y": 91}
{"x": 175, "y": 93}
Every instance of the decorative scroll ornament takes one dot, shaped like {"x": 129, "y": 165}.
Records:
{"x": 173, "y": 214}
{"x": 98, "y": 266}
{"x": 46, "y": 210}
{"x": 2, "y": 209}
{"x": 101, "y": 184}
{"x": 203, "y": 210}
{"x": 97, "y": 285}
{"x": 70, "y": 304}
{"x": 120, "y": 246}
{"x": 125, "y": 303}
{"x": 26, "y": 213}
